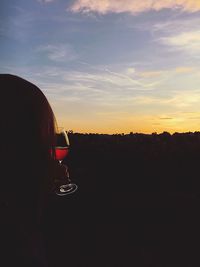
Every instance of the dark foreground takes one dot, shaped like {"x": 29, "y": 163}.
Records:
{"x": 138, "y": 203}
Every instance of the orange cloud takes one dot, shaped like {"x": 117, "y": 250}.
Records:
{"x": 151, "y": 74}
{"x": 133, "y": 6}
{"x": 184, "y": 69}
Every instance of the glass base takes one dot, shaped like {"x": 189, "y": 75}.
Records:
{"x": 66, "y": 189}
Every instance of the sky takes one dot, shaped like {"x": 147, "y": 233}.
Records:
{"x": 108, "y": 66}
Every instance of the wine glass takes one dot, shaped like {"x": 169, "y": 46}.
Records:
{"x": 61, "y": 151}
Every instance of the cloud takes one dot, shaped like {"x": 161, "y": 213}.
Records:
{"x": 133, "y": 6}
{"x": 184, "y": 69}
{"x": 150, "y": 74}
{"x": 58, "y": 53}
{"x": 174, "y": 25}
{"x": 130, "y": 71}
{"x": 111, "y": 81}
{"x": 45, "y": 1}
{"x": 194, "y": 118}
{"x": 166, "y": 118}
{"x": 176, "y": 101}
{"x": 186, "y": 41}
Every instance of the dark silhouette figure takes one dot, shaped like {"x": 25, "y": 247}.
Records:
{"x": 27, "y": 139}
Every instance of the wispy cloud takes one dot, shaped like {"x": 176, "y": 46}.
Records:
{"x": 185, "y": 41}
{"x": 166, "y": 74}
{"x": 178, "y": 101}
{"x": 174, "y": 24}
{"x": 133, "y": 6}
{"x": 117, "y": 83}
{"x": 184, "y": 69}
{"x": 46, "y": 1}
{"x": 151, "y": 74}
{"x": 58, "y": 53}
{"x": 166, "y": 118}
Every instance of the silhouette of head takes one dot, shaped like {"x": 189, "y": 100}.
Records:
{"x": 26, "y": 141}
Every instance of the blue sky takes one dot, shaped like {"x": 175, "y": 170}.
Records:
{"x": 108, "y": 66}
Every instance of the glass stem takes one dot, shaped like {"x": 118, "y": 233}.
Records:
{"x": 69, "y": 180}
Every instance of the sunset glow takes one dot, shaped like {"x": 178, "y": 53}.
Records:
{"x": 108, "y": 66}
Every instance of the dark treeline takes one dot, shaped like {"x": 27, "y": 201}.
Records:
{"x": 137, "y": 204}
{"x": 155, "y": 161}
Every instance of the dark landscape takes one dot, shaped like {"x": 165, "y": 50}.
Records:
{"x": 137, "y": 204}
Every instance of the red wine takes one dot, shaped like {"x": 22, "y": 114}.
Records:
{"x": 61, "y": 152}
